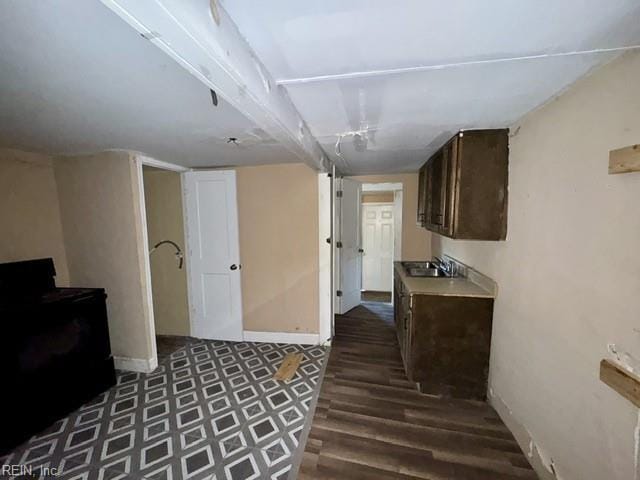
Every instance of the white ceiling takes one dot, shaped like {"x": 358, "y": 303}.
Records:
{"x": 404, "y": 75}
{"x": 351, "y": 45}
{"x": 75, "y": 78}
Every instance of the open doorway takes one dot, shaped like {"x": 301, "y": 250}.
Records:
{"x": 381, "y": 233}
{"x": 166, "y": 241}
{"x": 377, "y": 244}
{"x": 368, "y": 230}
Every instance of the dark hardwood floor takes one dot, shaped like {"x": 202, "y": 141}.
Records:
{"x": 371, "y": 423}
{"x": 374, "y": 296}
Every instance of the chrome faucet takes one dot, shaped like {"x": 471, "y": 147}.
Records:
{"x": 449, "y": 267}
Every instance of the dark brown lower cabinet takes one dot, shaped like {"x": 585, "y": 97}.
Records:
{"x": 445, "y": 342}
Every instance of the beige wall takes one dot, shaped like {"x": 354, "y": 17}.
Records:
{"x": 569, "y": 278}
{"x": 101, "y": 220}
{"x": 278, "y": 222}
{"x": 382, "y": 197}
{"x": 415, "y": 240}
{"x": 29, "y": 211}
{"x": 163, "y": 202}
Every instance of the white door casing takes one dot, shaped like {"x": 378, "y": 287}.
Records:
{"x": 325, "y": 258}
{"x": 350, "y": 257}
{"x": 378, "y": 245}
{"x": 213, "y": 254}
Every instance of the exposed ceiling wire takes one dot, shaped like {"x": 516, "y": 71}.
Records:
{"x": 425, "y": 68}
{"x": 360, "y": 141}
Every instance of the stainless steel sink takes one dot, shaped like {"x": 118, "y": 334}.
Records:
{"x": 421, "y": 265}
{"x": 426, "y": 269}
{"x": 426, "y": 272}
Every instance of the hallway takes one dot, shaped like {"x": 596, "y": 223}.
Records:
{"x": 371, "y": 423}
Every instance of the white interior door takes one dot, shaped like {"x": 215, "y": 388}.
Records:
{"x": 350, "y": 256}
{"x": 213, "y": 256}
{"x": 377, "y": 242}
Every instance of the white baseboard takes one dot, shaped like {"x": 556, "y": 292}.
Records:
{"x": 136, "y": 364}
{"x": 281, "y": 337}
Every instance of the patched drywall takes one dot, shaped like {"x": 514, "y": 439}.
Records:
{"x": 416, "y": 241}
{"x": 79, "y": 79}
{"x": 278, "y": 226}
{"x": 30, "y": 212}
{"x": 568, "y": 278}
{"x": 392, "y": 82}
{"x": 102, "y": 224}
{"x": 163, "y": 203}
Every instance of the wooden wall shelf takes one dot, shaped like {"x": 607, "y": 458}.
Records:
{"x": 625, "y": 160}
{"x": 622, "y": 381}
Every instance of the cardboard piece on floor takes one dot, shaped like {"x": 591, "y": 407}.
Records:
{"x": 289, "y": 366}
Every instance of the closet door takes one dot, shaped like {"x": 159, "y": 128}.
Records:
{"x": 213, "y": 256}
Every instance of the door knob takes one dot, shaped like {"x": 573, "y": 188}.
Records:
{"x": 360, "y": 250}
{"x": 233, "y": 267}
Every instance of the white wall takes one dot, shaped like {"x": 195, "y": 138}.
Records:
{"x": 569, "y": 278}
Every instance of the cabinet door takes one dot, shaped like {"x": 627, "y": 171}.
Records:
{"x": 405, "y": 336}
{"x": 435, "y": 192}
{"x": 422, "y": 195}
{"x": 449, "y": 178}
{"x": 397, "y": 301}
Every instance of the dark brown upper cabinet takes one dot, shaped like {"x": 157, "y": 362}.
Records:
{"x": 422, "y": 178}
{"x": 463, "y": 187}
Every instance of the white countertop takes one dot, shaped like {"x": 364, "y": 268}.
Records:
{"x": 455, "y": 287}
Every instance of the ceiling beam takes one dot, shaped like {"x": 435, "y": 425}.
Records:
{"x": 202, "y": 38}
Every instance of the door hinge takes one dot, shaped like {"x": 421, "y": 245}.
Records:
{"x": 339, "y": 193}
{"x": 338, "y": 293}
{"x": 338, "y": 244}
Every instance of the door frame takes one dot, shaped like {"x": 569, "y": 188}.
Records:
{"x": 393, "y": 256}
{"x": 326, "y": 233}
{"x": 397, "y": 189}
{"x": 140, "y": 161}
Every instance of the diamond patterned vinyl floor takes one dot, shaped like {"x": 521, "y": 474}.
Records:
{"x": 211, "y": 410}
